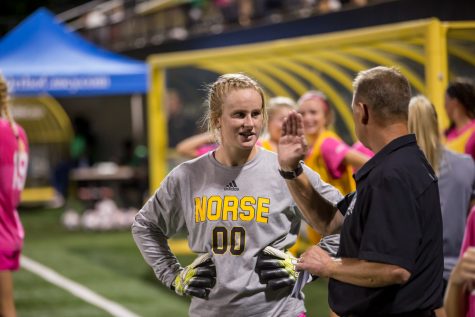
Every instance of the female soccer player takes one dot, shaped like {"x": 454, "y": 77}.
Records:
{"x": 456, "y": 177}
{"x": 328, "y": 155}
{"x": 13, "y": 166}
{"x": 332, "y": 158}
{"x": 233, "y": 204}
{"x": 279, "y": 108}
{"x": 460, "y": 108}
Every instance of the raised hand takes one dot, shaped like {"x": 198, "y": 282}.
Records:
{"x": 292, "y": 145}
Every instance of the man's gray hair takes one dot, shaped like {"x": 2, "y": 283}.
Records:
{"x": 385, "y": 91}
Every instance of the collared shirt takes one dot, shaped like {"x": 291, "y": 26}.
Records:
{"x": 395, "y": 219}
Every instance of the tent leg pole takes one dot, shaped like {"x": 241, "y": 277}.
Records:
{"x": 136, "y": 114}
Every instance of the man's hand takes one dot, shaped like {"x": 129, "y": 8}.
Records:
{"x": 197, "y": 278}
{"x": 292, "y": 145}
{"x": 316, "y": 261}
{"x": 276, "y": 268}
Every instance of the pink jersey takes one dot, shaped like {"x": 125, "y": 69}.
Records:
{"x": 469, "y": 241}
{"x": 13, "y": 166}
{"x": 358, "y": 146}
{"x": 206, "y": 148}
{"x": 333, "y": 151}
{"x": 462, "y": 140}
{"x": 470, "y": 146}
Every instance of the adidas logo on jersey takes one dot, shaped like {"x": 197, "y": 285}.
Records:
{"x": 231, "y": 186}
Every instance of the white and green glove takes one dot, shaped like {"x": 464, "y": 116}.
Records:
{"x": 276, "y": 268}
{"x": 197, "y": 278}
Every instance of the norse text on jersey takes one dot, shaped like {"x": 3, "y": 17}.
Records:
{"x": 246, "y": 208}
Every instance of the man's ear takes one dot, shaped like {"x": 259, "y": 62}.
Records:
{"x": 364, "y": 114}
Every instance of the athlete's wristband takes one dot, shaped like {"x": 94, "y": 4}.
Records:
{"x": 292, "y": 174}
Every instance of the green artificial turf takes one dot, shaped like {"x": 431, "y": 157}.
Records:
{"x": 109, "y": 264}
{"x": 35, "y": 297}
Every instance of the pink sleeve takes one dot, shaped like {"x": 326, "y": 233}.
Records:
{"x": 333, "y": 152}
{"x": 470, "y": 146}
{"x": 205, "y": 149}
{"x": 358, "y": 146}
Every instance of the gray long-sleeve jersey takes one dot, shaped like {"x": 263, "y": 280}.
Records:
{"x": 233, "y": 212}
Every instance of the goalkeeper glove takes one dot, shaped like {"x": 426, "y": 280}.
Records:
{"x": 276, "y": 268}
{"x": 197, "y": 278}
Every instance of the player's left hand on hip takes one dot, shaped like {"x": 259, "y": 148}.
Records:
{"x": 276, "y": 268}
{"x": 196, "y": 279}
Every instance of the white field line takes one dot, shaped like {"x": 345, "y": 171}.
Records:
{"x": 76, "y": 289}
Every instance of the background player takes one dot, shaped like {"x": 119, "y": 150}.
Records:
{"x": 327, "y": 154}
{"x": 13, "y": 167}
{"x": 279, "y": 108}
{"x": 455, "y": 173}
{"x": 460, "y": 108}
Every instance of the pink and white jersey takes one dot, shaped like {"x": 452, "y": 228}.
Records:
{"x": 462, "y": 140}
{"x": 333, "y": 152}
{"x": 206, "y": 148}
{"x": 13, "y": 167}
{"x": 358, "y": 146}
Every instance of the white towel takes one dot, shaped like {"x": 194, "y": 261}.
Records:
{"x": 330, "y": 244}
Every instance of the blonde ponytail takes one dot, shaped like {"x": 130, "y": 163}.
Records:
{"x": 5, "y": 105}
{"x": 423, "y": 122}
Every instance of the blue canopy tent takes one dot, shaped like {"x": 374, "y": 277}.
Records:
{"x": 42, "y": 56}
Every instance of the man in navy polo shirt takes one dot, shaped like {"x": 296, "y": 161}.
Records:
{"x": 390, "y": 260}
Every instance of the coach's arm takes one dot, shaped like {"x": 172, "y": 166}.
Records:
{"x": 352, "y": 271}
{"x": 318, "y": 207}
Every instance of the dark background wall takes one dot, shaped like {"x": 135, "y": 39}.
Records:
{"x": 371, "y": 15}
